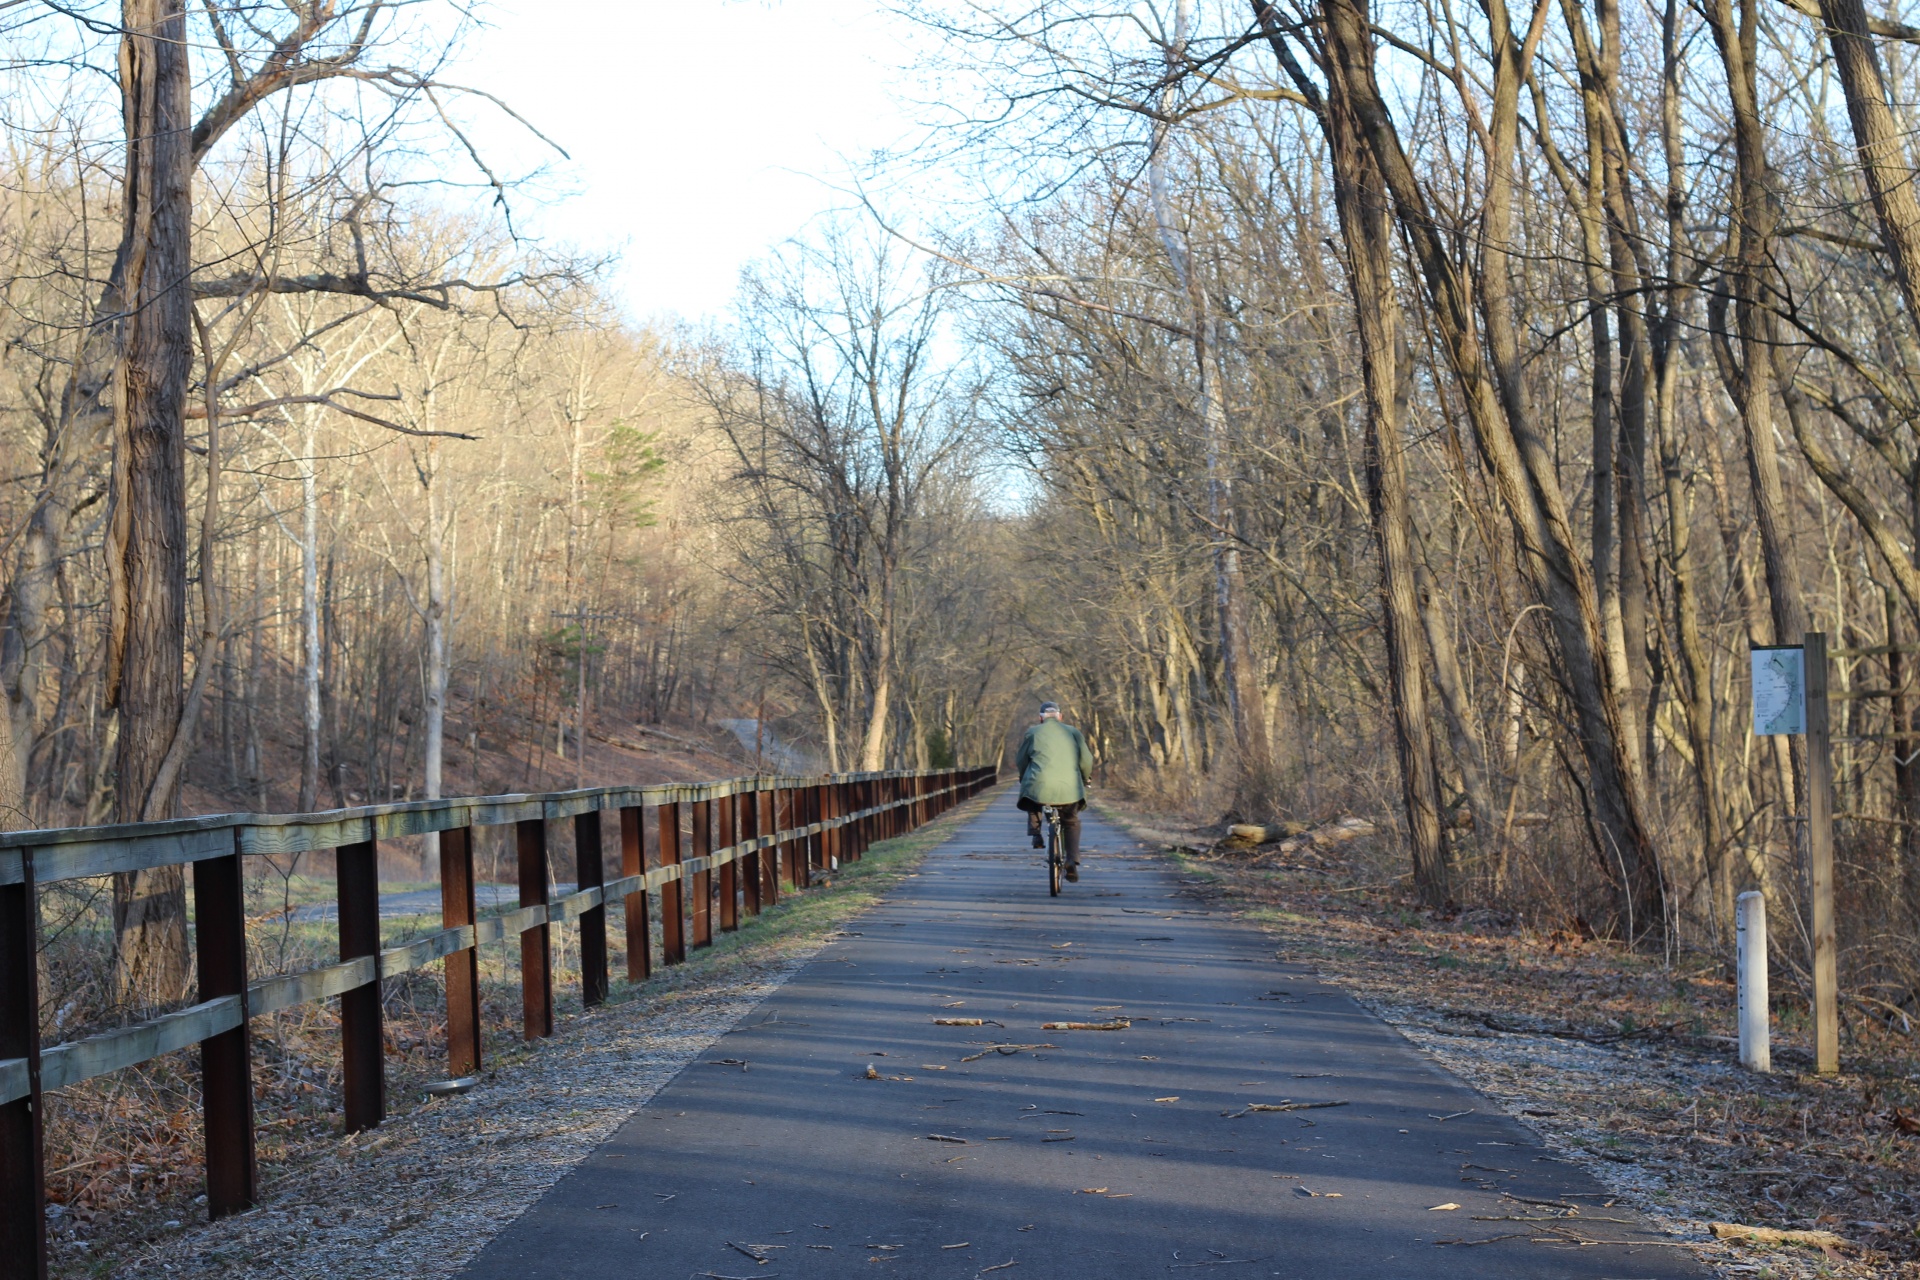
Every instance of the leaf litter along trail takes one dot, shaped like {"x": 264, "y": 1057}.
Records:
{"x": 1187, "y": 1137}
{"x": 1624, "y": 1065}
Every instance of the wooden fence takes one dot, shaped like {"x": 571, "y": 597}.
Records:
{"x": 748, "y": 837}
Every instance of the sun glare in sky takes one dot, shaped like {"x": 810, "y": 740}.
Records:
{"x": 701, "y": 132}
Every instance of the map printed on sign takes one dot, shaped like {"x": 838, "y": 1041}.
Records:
{"x": 1779, "y": 689}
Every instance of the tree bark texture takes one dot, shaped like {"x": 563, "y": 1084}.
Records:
{"x": 1880, "y": 142}
{"x": 147, "y": 541}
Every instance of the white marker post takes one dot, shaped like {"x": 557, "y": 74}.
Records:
{"x": 1750, "y": 935}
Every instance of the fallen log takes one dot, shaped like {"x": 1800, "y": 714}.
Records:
{"x": 1774, "y": 1235}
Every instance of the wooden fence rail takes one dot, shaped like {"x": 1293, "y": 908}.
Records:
{"x": 751, "y": 835}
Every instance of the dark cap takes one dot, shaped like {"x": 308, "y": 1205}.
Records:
{"x": 1049, "y": 706}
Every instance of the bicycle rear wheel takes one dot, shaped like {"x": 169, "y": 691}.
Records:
{"x": 1053, "y": 856}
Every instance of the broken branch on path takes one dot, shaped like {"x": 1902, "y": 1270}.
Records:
{"x": 1117, "y": 1024}
{"x": 1006, "y": 1050}
{"x": 1281, "y": 1106}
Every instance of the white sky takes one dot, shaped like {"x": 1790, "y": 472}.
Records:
{"x": 699, "y": 130}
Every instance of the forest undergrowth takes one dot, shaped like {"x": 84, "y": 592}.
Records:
{"x": 1625, "y": 1060}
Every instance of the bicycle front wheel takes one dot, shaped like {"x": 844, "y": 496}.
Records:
{"x": 1053, "y": 859}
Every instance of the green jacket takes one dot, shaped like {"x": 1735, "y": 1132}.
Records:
{"x": 1055, "y": 764}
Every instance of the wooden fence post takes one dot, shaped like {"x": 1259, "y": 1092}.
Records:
{"x": 871, "y": 832}
{"x": 751, "y": 864}
{"x": 536, "y": 944}
{"x": 590, "y": 872}
{"x": 700, "y": 927}
{"x": 767, "y": 802}
{"x": 673, "y": 932}
{"x": 226, "y": 1077}
{"x": 463, "y": 966}
{"x": 23, "y": 1182}
{"x": 785, "y": 816}
{"x": 850, "y": 833}
{"x": 828, "y": 835}
{"x": 728, "y": 808}
{"x": 363, "y": 1053}
{"x": 1826, "y": 1000}
{"x": 814, "y": 856}
{"x": 633, "y": 862}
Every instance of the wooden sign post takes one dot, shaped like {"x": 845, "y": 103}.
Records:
{"x": 1826, "y": 986}
{"x": 1790, "y": 696}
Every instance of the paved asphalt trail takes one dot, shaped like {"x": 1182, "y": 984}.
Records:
{"x": 1107, "y": 1155}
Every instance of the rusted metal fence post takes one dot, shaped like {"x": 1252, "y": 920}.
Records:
{"x": 463, "y": 967}
{"x": 363, "y": 1057}
{"x": 590, "y": 872}
{"x": 750, "y": 865}
{"x": 226, "y": 1077}
{"x": 673, "y": 920}
{"x": 700, "y": 927}
{"x": 724, "y": 824}
{"x": 23, "y": 1182}
{"x": 536, "y": 944}
{"x": 633, "y": 862}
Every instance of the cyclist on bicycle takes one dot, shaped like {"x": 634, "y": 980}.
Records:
{"x": 1055, "y": 766}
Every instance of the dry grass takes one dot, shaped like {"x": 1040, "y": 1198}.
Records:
{"x": 1620, "y": 1060}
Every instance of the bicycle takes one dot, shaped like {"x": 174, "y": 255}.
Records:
{"x": 1056, "y": 857}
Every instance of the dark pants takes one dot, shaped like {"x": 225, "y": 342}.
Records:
{"x": 1069, "y": 826}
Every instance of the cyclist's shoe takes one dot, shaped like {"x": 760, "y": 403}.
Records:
{"x": 1038, "y": 843}
{"x": 1073, "y": 873}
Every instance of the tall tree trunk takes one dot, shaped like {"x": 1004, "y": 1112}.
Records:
{"x": 147, "y": 540}
{"x": 310, "y": 655}
{"x": 23, "y": 642}
{"x": 1366, "y": 225}
{"x": 1491, "y": 386}
{"x": 437, "y": 619}
{"x": 1751, "y": 380}
{"x": 873, "y": 750}
{"x": 1880, "y": 142}
{"x": 1246, "y": 705}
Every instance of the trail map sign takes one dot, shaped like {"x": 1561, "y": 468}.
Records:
{"x": 1779, "y": 689}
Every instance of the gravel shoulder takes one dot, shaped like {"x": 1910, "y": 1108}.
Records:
{"x": 420, "y": 1196}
